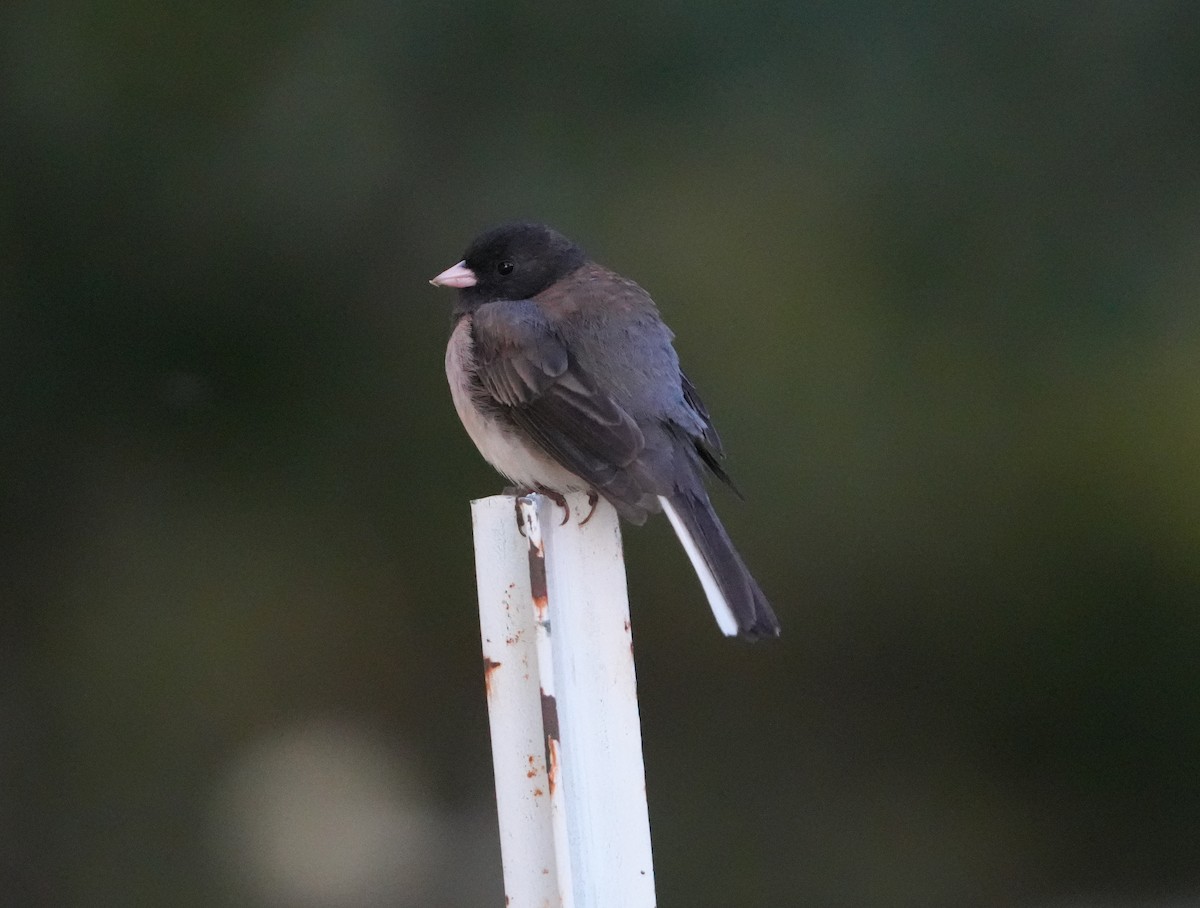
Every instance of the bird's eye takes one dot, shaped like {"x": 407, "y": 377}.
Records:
{"x": 505, "y": 268}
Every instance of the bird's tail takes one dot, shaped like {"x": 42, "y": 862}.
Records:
{"x": 738, "y": 604}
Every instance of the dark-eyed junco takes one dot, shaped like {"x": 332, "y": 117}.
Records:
{"x": 564, "y": 376}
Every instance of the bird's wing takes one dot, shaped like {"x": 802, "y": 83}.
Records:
{"x": 708, "y": 444}
{"x": 525, "y": 367}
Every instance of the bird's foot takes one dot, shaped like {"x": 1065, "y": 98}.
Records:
{"x": 517, "y": 496}
{"x": 519, "y": 492}
{"x": 559, "y": 499}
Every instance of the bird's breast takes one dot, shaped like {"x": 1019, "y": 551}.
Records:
{"x": 501, "y": 442}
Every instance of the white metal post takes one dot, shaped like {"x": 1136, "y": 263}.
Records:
{"x": 577, "y": 686}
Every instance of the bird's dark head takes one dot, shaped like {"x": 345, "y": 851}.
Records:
{"x": 511, "y": 262}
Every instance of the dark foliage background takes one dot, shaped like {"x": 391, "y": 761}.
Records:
{"x": 935, "y": 270}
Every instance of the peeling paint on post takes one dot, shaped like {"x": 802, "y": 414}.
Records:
{"x": 531, "y": 517}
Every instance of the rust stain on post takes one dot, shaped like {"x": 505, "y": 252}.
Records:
{"x": 550, "y": 715}
{"x": 489, "y": 666}
{"x": 552, "y": 767}
{"x": 528, "y": 518}
{"x": 537, "y": 581}
{"x": 550, "y": 727}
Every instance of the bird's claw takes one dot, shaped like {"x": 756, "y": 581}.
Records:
{"x": 593, "y": 499}
{"x": 557, "y": 497}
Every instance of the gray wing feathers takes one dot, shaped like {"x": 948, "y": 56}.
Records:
{"x": 523, "y": 363}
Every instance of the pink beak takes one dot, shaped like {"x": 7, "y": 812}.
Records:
{"x": 456, "y": 276}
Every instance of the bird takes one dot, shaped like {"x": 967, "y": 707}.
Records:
{"x": 566, "y": 379}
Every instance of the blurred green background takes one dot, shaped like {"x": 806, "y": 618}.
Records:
{"x": 935, "y": 270}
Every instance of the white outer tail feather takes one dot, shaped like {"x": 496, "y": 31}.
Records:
{"x": 716, "y": 600}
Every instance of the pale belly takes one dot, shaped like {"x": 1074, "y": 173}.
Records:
{"x": 522, "y": 463}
